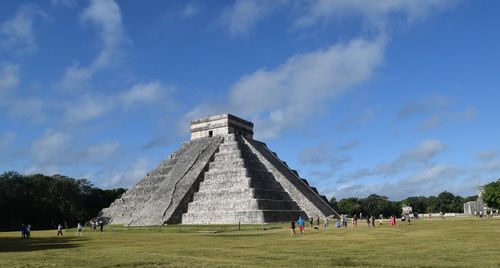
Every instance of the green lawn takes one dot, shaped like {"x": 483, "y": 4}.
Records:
{"x": 424, "y": 243}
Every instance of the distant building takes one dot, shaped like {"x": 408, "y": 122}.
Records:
{"x": 476, "y": 207}
{"x": 407, "y": 210}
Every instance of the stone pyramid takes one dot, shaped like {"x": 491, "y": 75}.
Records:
{"x": 221, "y": 176}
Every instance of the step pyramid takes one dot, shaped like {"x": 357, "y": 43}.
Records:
{"x": 221, "y": 176}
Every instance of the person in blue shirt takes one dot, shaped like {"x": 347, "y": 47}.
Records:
{"x": 301, "y": 224}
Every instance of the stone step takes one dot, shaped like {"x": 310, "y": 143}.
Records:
{"x": 231, "y": 148}
{"x": 224, "y": 204}
{"x": 244, "y": 217}
{"x": 217, "y": 173}
{"x": 240, "y": 184}
{"x": 230, "y": 164}
{"x": 241, "y": 194}
{"x": 218, "y": 180}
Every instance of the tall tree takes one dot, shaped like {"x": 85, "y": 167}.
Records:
{"x": 491, "y": 194}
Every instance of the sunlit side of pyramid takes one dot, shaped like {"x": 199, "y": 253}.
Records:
{"x": 221, "y": 176}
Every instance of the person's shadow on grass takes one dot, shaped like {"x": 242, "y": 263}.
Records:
{"x": 16, "y": 244}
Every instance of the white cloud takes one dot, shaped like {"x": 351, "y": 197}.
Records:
{"x": 327, "y": 154}
{"x": 9, "y": 76}
{"x": 6, "y": 139}
{"x": 468, "y": 114}
{"x": 486, "y": 155}
{"x": 87, "y": 108}
{"x": 431, "y": 104}
{"x": 105, "y": 15}
{"x": 64, "y": 3}
{"x": 376, "y": 12}
{"x": 429, "y": 180}
{"x": 51, "y": 148}
{"x": 94, "y": 106}
{"x": 425, "y": 151}
{"x": 190, "y": 10}
{"x": 98, "y": 152}
{"x": 18, "y": 33}
{"x": 143, "y": 93}
{"x": 243, "y": 15}
{"x": 289, "y": 94}
{"x": 129, "y": 176}
{"x": 32, "y": 108}
{"x": 419, "y": 155}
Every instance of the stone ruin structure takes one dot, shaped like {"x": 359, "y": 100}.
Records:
{"x": 221, "y": 176}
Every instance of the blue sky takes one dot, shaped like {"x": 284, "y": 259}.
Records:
{"x": 398, "y": 98}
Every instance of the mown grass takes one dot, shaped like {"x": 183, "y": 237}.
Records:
{"x": 423, "y": 243}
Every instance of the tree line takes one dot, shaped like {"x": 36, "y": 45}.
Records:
{"x": 380, "y": 205}
{"x": 46, "y": 201}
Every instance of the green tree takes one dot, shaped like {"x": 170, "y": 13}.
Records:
{"x": 449, "y": 202}
{"x": 334, "y": 204}
{"x": 491, "y": 194}
{"x": 350, "y": 206}
{"x": 418, "y": 203}
{"x": 375, "y": 205}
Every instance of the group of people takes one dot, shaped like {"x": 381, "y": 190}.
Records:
{"x": 342, "y": 222}
{"x": 25, "y": 231}
{"x": 95, "y": 223}
{"x": 301, "y": 224}
{"x": 93, "y": 227}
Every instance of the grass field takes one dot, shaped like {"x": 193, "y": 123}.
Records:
{"x": 424, "y": 243}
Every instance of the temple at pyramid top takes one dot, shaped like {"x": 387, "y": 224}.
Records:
{"x": 221, "y": 125}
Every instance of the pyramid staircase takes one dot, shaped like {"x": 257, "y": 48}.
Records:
{"x": 237, "y": 188}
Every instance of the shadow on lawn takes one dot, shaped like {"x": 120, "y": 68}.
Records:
{"x": 15, "y": 244}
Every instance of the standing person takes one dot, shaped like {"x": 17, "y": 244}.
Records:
{"x": 372, "y": 219}
{"x": 368, "y": 221}
{"x": 79, "y": 230}
{"x": 101, "y": 225}
{"x": 23, "y": 231}
{"x": 301, "y": 224}
{"x": 28, "y": 231}
{"x": 59, "y": 230}
{"x": 311, "y": 222}
{"x": 355, "y": 221}
{"x": 325, "y": 223}
{"x": 292, "y": 227}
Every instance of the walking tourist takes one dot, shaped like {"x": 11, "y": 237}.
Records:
{"x": 325, "y": 223}
{"x": 292, "y": 227}
{"x": 79, "y": 230}
{"x": 59, "y": 230}
{"x": 101, "y": 225}
{"x": 311, "y": 222}
{"x": 28, "y": 231}
{"x": 368, "y": 221}
{"x": 317, "y": 221}
{"x": 301, "y": 224}
{"x": 23, "y": 230}
{"x": 355, "y": 221}
{"x": 372, "y": 220}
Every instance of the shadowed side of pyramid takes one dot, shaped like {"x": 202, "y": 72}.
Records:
{"x": 163, "y": 194}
